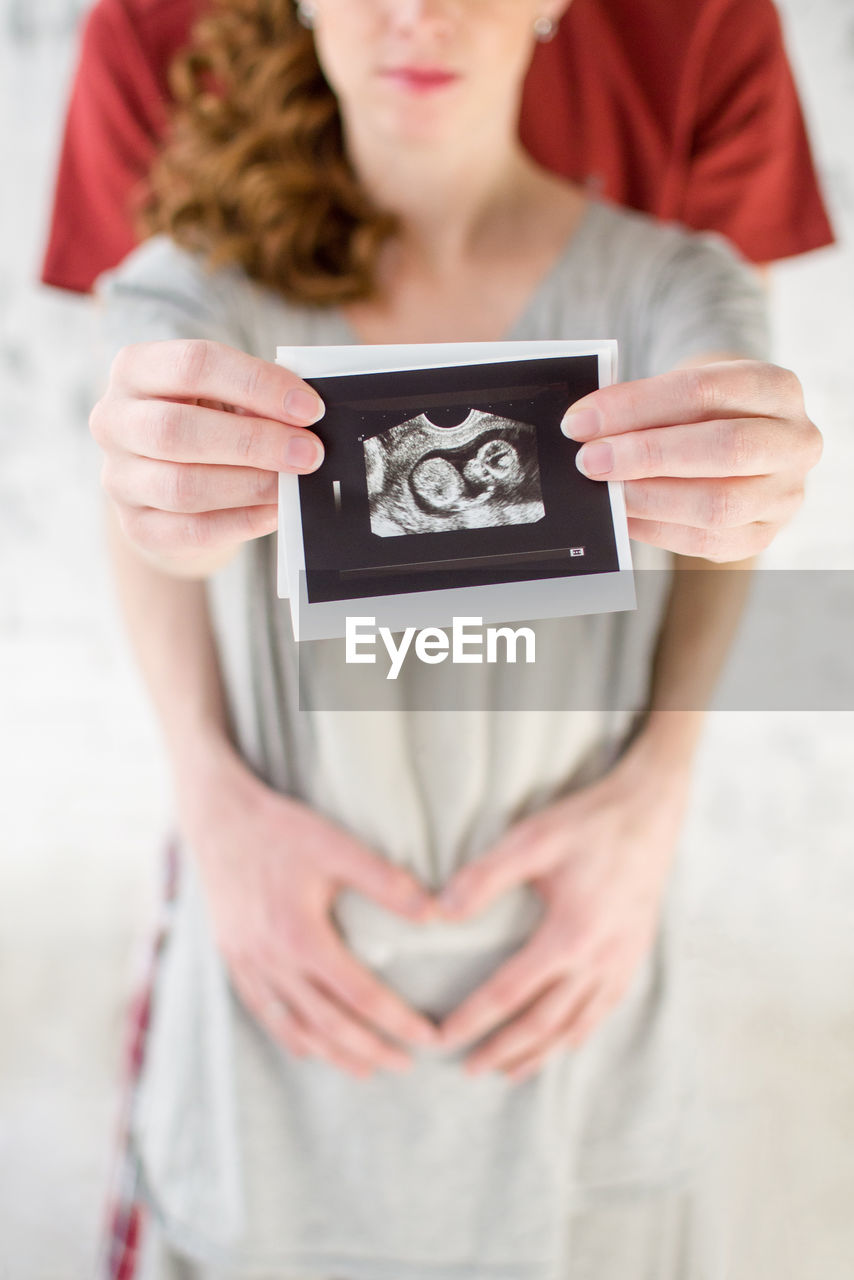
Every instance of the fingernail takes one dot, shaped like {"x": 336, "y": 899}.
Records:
{"x": 595, "y": 459}
{"x": 581, "y": 424}
{"x": 303, "y": 406}
{"x": 304, "y": 452}
{"x": 449, "y": 899}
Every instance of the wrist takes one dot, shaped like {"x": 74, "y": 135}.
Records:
{"x": 204, "y": 756}
{"x": 193, "y": 567}
{"x": 665, "y": 745}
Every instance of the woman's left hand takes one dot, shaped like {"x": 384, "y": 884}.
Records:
{"x": 600, "y": 858}
{"x": 714, "y": 456}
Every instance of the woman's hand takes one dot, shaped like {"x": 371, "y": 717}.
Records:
{"x": 600, "y": 859}
{"x": 271, "y": 868}
{"x": 714, "y": 456}
{"x": 194, "y": 433}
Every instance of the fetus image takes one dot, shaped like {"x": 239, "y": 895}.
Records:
{"x": 423, "y": 477}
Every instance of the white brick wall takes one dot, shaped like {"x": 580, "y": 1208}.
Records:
{"x": 86, "y": 796}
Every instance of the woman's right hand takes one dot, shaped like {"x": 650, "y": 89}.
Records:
{"x": 271, "y": 868}
{"x": 194, "y": 433}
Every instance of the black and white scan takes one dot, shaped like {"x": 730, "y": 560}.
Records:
{"x": 423, "y": 478}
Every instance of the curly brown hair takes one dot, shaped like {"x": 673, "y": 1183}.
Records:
{"x": 253, "y": 169}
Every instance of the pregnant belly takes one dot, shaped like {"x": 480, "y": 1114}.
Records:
{"x": 434, "y": 966}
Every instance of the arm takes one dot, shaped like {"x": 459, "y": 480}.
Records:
{"x": 702, "y": 614}
{"x": 599, "y": 857}
{"x": 168, "y": 624}
{"x": 270, "y": 865}
{"x": 701, "y": 617}
{"x": 700, "y": 620}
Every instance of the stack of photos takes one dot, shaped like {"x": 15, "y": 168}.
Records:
{"x": 447, "y": 488}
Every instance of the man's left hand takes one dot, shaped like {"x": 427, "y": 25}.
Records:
{"x": 600, "y": 858}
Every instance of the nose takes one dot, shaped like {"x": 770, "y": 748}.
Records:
{"x": 406, "y": 16}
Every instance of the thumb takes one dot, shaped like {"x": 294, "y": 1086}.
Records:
{"x": 391, "y": 886}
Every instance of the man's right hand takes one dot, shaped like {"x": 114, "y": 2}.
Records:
{"x": 194, "y": 433}
{"x": 271, "y": 868}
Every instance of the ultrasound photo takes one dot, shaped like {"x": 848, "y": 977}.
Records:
{"x": 423, "y": 478}
{"x": 448, "y": 487}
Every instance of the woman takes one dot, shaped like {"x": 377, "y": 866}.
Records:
{"x": 688, "y": 112}
{"x": 259, "y": 1142}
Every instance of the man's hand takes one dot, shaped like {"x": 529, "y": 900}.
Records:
{"x": 271, "y": 868}
{"x": 714, "y": 457}
{"x": 600, "y": 859}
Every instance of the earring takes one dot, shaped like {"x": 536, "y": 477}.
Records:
{"x": 305, "y": 13}
{"x": 545, "y": 29}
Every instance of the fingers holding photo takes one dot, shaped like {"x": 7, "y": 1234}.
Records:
{"x": 194, "y": 434}
{"x": 714, "y": 456}
{"x": 189, "y": 368}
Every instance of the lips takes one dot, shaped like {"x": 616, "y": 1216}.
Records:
{"x": 420, "y": 79}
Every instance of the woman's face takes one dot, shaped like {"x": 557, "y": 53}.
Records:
{"x": 421, "y": 70}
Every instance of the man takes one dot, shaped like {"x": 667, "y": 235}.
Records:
{"x": 688, "y": 111}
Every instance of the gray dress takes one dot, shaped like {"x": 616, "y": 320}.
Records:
{"x": 258, "y": 1163}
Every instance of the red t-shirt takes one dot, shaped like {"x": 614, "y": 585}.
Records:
{"x": 684, "y": 108}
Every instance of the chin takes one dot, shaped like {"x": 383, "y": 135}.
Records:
{"x": 420, "y": 123}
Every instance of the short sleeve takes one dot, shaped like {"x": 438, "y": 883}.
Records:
{"x": 701, "y": 298}
{"x": 116, "y": 114}
{"x": 162, "y": 291}
{"x": 750, "y": 171}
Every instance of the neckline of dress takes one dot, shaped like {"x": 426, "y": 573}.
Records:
{"x": 567, "y": 251}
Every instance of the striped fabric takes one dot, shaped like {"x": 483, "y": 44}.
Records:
{"x": 126, "y": 1216}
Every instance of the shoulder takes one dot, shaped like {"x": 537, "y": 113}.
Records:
{"x": 149, "y": 31}
{"x": 667, "y": 32}
{"x": 674, "y": 26}
{"x": 653, "y": 260}
{"x": 161, "y": 291}
{"x": 641, "y": 245}
{"x": 640, "y": 264}
{"x": 160, "y": 264}
{"x": 674, "y": 293}
{"x": 162, "y": 283}
{"x": 151, "y": 20}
